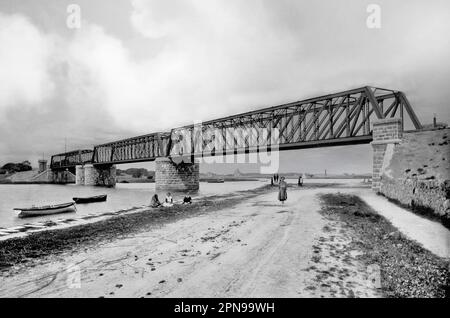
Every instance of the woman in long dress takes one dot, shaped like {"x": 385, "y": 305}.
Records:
{"x": 282, "y": 190}
{"x": 168, "y": 202}
{"x": 155, "y": 201}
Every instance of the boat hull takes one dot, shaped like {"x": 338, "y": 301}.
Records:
{"x": 47, "y": 210}
{"x": 215, "y": 180}
{"x": 98, "y": 198}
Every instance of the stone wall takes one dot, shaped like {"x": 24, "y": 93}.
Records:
{"x": 170, "y": 176}
{"x": 46, "y": 176}
{"x": 90, "y": 175}
{"x": 386, "y": 133}
{"x": 415, "y": 169}
{"x": 63, "y": 177}
{"x": 98, "y": 175}
{"x": 79, "y": 175}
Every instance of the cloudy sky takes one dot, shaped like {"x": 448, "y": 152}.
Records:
{"x": 135, "y": 67}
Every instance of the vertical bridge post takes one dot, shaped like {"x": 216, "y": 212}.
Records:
{"x": 170, "y": 176}
{"x": 90, "y": 175}
{"x": 386, "y": 134}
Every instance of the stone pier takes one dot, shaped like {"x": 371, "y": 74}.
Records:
{"x": 182, "y": 177}
{"x": 61, "y": 176}
{"x": 79, "y": 175}
{"x": 386, "y": 134}
{"x": 412, "y": 167}
{"x": 90, "y": 175}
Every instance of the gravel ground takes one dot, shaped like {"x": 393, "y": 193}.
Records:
{"x": 406, "y": 268}
{"x": 248, "y": 246}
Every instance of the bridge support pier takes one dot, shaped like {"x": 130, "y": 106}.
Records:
{"x": 79, "y": 175}
{"x": 104, "y": 175}
{"x": 169, "y": 176}
{"x": 386, "y": 134}
{"x": 61, "y": 176}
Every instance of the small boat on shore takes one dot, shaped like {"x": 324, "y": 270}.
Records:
{"x": 46, "y": 210}
{"x": 97, "y": 198}
{"x": 215, "y": 180}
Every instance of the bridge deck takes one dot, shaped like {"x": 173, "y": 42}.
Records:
{"x": 342, "y": 118}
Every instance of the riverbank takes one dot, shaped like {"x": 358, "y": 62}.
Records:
{"x": 47, "y": 238}
{"x": 54, "y": 241}
{"x": 244, "y": 244}
{"x": 406, "y": 269}
{"x": 251, "y": 246}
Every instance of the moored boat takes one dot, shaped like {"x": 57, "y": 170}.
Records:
{"x": 97, "y": 198}
{"x": 215, "y": 180}
{"x": 46, "y": 210}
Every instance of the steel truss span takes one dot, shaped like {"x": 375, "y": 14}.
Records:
{"x": 71, "y": 159}
{"x": 336, "y": 119}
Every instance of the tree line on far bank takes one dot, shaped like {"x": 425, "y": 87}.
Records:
{"x": 136, "y": 173}
{"x": 11, "y": 167}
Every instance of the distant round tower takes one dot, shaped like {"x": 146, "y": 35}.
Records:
{"x": 42, "y": 165}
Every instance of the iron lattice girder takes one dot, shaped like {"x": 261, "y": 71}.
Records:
{"x": 317, "y": 121}
{"x": 70, "y": 159}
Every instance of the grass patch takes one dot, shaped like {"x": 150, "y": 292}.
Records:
{"x": 407, "y": 269}
{"x": 423, "y": 211}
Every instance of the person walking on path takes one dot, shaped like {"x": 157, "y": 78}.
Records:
{"x": 282, "y": 190}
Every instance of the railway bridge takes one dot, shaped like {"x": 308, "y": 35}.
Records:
{"x": 357, "y": 116}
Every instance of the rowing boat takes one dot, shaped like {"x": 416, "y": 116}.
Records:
{"x": 97, "y": 198}
{"x": 215, "y": 180}
{"x": 46, "y": 209}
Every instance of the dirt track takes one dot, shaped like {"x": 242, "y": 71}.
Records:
{"x": 257, "y": 248}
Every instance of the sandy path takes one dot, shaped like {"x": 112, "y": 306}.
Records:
{"x": 431, "y": 234}
{"x": 257, "y": 248}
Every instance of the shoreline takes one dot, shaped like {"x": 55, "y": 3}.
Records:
{"x": 202, "y": 179}
{"x": 338, "y": 235}
{"x": 111, "y": 225}
{"x": 248, "y": 246}
{"x": 20, "y": 250}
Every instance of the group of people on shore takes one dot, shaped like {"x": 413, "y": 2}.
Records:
{"x": 168, "y": 201}
{"x": 275, "y": 178}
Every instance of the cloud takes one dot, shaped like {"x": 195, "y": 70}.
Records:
{"x": 193, "y": 59}
{"x": 223, "y": 57}
{"x": 24, "y": 56}
{"x": 48, "y": 95}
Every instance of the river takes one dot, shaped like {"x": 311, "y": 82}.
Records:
{"x": 124, "y": 195}
{"x": 432, "y": 235}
